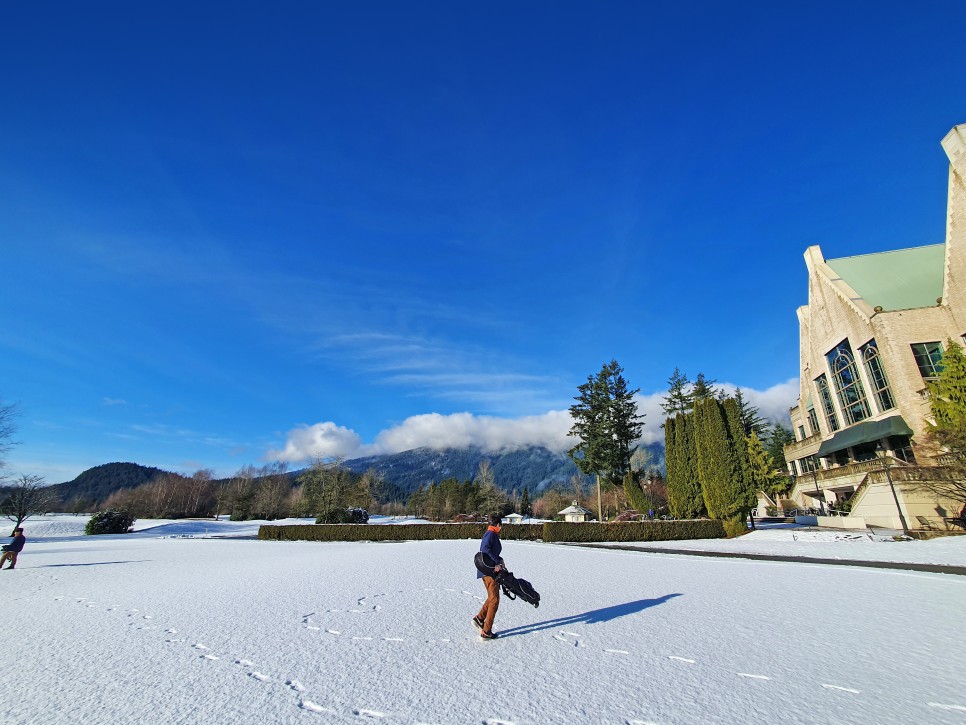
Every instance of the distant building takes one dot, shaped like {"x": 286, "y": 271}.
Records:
{"x": 575, "y": 513}
{"x": 872, "y": 333}
{"x": 512, "y": 519}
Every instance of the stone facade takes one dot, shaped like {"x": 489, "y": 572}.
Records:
{"x": 873, "y": 412}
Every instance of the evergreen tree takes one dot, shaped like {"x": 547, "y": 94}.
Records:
{"x": 685, "y": 500}
{"x": 761, "y": 468}
{"x": 719, "y": 469}
{"x": 750, "y": 420}
{"x": 605, "y": 423}
{"x": 947, "y": 401}
{"x": 678, "y": 398}
{"x": 703, "y": 388}
{"x": 526, "y": 509}
{"x": 635, "y": 494}
{"x": 744, "y": 491}
{"x": 778, "y": 437}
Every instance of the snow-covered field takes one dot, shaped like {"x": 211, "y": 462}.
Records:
{"x": 169, "y": 625}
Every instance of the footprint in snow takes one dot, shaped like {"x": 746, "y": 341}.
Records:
{"x": 491, "y": 721}
{"x": 840, "y": 689}
{"x": 244, "y": 663}
{"x": 209, "y": 657}
{"x": 313, "y": 707}
{"x": 171, "y": 631}
{"x": 368, "y": 713}
{"x": 199, "y": 645}
{"x": 752, "y": 677}
{"x": 294, "y": 685}
{"x": 941, "y": 706}
{"x": 259, "y": 676}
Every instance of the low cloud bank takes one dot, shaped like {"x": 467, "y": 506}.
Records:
{"x": 491, "y": 433}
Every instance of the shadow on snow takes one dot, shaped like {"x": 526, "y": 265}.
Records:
{"x": 595, "y": 616}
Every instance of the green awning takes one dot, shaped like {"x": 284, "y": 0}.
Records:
{"x": 865, "y": 432}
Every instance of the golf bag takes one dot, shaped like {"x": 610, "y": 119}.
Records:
{"x": 512, "y": 586}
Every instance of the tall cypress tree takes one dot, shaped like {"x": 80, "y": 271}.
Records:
{"x": 684, "y": 494}
{"x": 743, "y": 492}
{"x": 718, "y": 466}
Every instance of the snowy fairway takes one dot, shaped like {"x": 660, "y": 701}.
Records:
{"x": 175, "y": 630}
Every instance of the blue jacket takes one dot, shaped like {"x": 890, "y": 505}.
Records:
{"x": 16, "y": 544}
{"x": 492, "y": 547}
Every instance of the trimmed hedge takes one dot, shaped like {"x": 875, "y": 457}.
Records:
{"x": 553, "y": 531}
{"x": 633, "y": 531}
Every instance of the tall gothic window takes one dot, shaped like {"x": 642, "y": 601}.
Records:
{"x": 827, "y": 407}
{"x": 848, "y": 386}
{"x": 877, "y": 377}
{"x": 813, "y": 421}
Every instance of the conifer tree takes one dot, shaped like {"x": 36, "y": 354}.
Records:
{"x": 761, "y": 468}
{"x": 703, "y": 388}
{"x": 678, "y": 398}
{"x": 685, "y": 500}
{"x": 635, "y": 494}
{"x": 605, "y": 423}
{"x": 775, "y": 441}
{"x": 744, "y": 491}
{"x": 947, "y": 400}
{"x": 752, "y": 422}
{"x": 525, "y": 507}
{"x": 718, "y": 466}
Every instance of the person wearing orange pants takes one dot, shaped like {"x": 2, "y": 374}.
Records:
{"x": 491, "y": 546}
{"x": 11, "y": 550}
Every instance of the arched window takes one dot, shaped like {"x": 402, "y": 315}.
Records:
{"x": 827, "y": 407}
{"x": 877, "y": 377}
{"x": 848, "y": 386}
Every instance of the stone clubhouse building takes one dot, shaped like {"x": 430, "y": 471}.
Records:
{"x": 872, "y": 333}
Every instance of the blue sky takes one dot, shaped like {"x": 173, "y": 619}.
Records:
{"x": 232, "y": 233}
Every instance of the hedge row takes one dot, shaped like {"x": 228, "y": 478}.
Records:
{"x": 553, "y": 531}
{"x": 633, "y": 531}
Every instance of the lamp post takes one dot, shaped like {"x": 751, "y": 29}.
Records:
{"x": 818, "y": 494}
{"x": 885, "y": 465}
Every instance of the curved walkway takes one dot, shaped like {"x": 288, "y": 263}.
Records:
{"x": 908, "y": 566}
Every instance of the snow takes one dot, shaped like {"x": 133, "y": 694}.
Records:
{"x": 195, "y": 622}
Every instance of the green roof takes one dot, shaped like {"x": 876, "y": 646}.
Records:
{"x": 899, "y": 280}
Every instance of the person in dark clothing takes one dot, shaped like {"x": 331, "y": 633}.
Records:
{"x": 11, "y": 550}
{"x": 491, "y": 546}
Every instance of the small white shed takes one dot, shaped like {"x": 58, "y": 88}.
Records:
{"x": 575, "y": 513}
{"x": 513, "y": 519}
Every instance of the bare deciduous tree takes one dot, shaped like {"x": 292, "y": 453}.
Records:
{"x": 26, "y": 497}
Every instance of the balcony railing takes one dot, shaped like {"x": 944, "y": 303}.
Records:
{"x": 798, "y": 446}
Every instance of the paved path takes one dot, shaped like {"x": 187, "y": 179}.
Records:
{"x": 932, "y": 568}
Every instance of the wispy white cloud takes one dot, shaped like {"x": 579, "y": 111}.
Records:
{"x": 492, "y": 433}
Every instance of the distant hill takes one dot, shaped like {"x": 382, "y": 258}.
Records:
{"x": 535, "y": 467}
{"x": 99, "y": 482}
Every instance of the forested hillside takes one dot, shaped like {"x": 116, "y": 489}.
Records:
{"x": 97, "y": 483}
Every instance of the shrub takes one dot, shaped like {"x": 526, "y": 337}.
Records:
{"x": 735, "y": 527}
{"x": 110, "y": 521}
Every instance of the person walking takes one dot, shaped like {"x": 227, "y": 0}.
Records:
{"x": 491, "y": 546}
{"x": 11, "y": 550}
